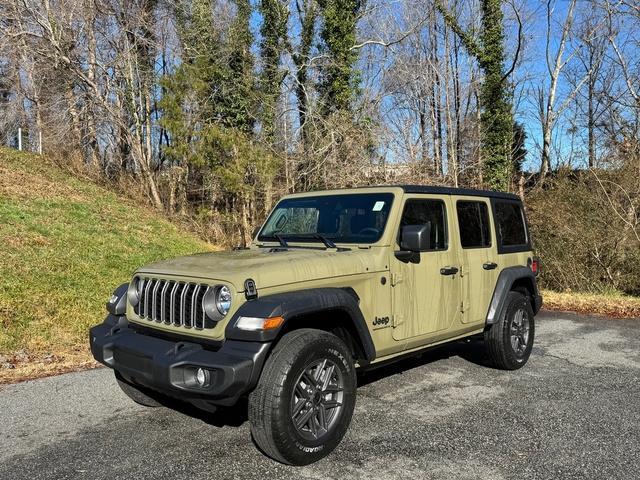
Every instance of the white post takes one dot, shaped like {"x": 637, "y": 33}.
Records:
{"x": 40, "y": 142}
{"x": 19, "y": 138}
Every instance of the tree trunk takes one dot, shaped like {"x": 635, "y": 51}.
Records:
{"x": 73, "y": 114}
{"x": 145, "y": 171}
{"x": 424, "y": 142}
{"x": 307, "y": 15}
{"x": 436, "y": 102}
{"x": 546, "y": 148}
{"x": 591, "y": 124}
{"x": 91, "y": 135}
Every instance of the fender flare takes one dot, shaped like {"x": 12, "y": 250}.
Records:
{"x": 294, "y": 304}
{"x": 117, "y": 304}
{"x": 506, "y": 279}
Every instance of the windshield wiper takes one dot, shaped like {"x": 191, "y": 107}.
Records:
{"x": 283, "y": 242}
{"x": 327, "y": 243}
{"x": 280, "y": 238}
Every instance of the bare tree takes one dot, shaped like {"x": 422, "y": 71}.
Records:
{"x": 624, "y": 111}
{"x": 560, "y": 51}
{"x": 109, "y": 78}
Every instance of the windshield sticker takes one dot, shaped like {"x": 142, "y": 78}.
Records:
{"x": 378, "y": 206}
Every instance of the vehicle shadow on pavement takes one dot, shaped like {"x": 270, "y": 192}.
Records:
{"x": 233, "y": 416}
{"x": 472, "y": 350}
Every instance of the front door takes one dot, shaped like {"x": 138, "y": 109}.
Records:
{"x": 478, "y": 257}
{"x": 426, "y": 289}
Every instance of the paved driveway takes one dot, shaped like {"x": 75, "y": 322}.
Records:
{"x": 572, "y": 412}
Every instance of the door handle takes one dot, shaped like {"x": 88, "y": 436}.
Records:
{"x": 448, "y": 270}
{"x": 489, "y": 266}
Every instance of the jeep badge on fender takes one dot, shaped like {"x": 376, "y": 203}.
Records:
{"x": 285, "y": 324}
{"x": 381, "y": 322}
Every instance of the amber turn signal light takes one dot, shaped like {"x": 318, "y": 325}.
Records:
{"x": 257, "y": 324}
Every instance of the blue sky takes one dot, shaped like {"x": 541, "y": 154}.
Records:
{"x": 530, "y": 75}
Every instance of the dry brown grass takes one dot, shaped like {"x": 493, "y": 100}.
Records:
{"x": 22, "y": 366}
{"x": 608, "y": 305}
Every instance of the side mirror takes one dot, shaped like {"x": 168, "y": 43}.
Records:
{"x": 416, "y": 238}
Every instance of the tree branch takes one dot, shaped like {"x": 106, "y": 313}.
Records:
{"x": 467, "y": 40}
{"x": 382, "y": 43}
{"x": 517, "y": 54}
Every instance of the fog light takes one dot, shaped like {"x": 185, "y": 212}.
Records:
{"x": 202, "y": 377}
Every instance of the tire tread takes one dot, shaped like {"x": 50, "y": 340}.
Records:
{"x": 266, "y": 398}
{"x": 495, "y": 337}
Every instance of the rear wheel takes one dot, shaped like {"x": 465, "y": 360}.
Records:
{"x": 136, "y": 394}
{"x": 510, "y": 340}
{"x": 305, "y": 398}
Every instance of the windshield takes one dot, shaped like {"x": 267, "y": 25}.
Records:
{"x": 348, "y": 218}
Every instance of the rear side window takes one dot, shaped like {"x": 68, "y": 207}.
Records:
{"x": 422, "y": 212}
{"x": 473, "y": 221}
{"x": 510, "y": 224}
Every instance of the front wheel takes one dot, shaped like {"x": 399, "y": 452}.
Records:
{"x": 305, "y": 398}
{"x": 510, "y": 340}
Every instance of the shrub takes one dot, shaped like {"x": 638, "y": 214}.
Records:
{"x": 586, "y": 229}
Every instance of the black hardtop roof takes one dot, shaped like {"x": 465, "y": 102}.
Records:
{"x": 427, "y": 189}
{"x": 438, "y": 190}
{"x": 471, "y": 192}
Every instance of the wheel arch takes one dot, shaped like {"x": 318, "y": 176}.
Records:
{"x": 335, "y": 310}
{"x": 517, "y": 278}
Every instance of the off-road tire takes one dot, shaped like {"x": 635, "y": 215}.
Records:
{"x": 498, "y": 338}
{"x": 135, "y": 393}
{"x": 272, "y": 402}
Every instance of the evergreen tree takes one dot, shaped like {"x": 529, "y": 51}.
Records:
{"x": 340, "y": 80}
{"x": 221, "y": 68}
{"x": 495, "y": 99}
{"x": 275, "y": 14}
{"x": 209, "y": 110}
{"x": 214, "y": 83}
{"x": 239, "y": 90}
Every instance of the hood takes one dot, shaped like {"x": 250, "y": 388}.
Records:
{"x": 269, "y": 267}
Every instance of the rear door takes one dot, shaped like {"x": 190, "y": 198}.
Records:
{"x": 426, "y": 301}
{"x": 478, "y": 255}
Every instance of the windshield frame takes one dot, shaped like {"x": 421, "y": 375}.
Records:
{"x": 390, "y": 197}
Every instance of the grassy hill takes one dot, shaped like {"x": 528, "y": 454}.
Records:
{"x": 65, "y": 244}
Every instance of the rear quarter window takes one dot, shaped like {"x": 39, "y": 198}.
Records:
{"x": 511, "y": 227}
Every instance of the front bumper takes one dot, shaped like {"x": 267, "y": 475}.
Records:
{"x": 169, "y": 367}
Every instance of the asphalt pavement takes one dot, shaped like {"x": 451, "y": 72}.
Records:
{"x": 572, "y": 412}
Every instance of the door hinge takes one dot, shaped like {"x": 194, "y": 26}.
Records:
{"x": 396, "y": 278}
{"x": 463, "y": 307}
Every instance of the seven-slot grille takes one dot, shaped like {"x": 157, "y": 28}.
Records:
{"x": 172, "y": 302}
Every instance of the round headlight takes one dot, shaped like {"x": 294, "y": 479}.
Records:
{"x": 133, "y": 293}
{"x": 223, "y": 299}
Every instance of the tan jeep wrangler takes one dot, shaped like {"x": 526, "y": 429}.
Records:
{"x": 333, "y": 282}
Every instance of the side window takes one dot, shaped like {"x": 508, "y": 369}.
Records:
{"x": 421, "y": 212}
{"x": 473, "y": 222}
{"x": 510, "y": 224}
